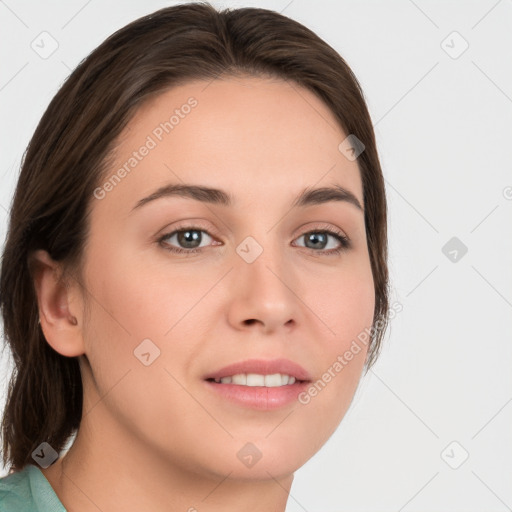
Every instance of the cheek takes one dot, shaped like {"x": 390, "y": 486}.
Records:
{"x": 124, "y": 309}
{"x": 346, "y": 307}
{"x": 132, "y": 303}
{"x": 136, "y": 299}
{"x": 345, "y": 304}
{"x": 136, "y": 295}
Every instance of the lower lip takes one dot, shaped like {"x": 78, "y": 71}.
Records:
{"x": 259, "y": 397}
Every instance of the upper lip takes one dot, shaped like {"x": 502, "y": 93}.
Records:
{"x": 262, "y": 367}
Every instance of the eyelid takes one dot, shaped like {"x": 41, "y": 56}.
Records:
{"x": 190, "y": 224}
{"x": 321, "y": 226}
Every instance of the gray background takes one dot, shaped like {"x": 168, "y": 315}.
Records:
{"x": 442, "y": 387}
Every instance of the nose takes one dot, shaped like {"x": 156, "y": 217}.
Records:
{"x": 262, "y": 296}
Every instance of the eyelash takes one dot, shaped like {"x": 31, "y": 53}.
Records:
{"x": 344, "y": 241}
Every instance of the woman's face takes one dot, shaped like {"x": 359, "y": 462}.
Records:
{"x": 257, "y": 279}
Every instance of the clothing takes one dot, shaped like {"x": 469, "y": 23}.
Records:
{"x": 28, "y": 490}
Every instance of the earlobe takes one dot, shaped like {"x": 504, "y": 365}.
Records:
{"x": 58, "y": 311}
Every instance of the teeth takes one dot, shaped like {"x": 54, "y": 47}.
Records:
{"x": 272, "y": 381}
{"x": 240, "y": 378}
{"x": 255, "y": 379}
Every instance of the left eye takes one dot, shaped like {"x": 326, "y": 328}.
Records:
{"x": 318, "y": 240}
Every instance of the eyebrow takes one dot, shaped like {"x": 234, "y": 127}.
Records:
{"x": 307, "y": 197}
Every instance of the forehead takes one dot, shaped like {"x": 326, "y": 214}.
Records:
{"x": 261, "y": 139}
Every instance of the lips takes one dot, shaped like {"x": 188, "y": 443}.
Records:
{"x": 252, "y": 394}
{"x": 262, "y": 367}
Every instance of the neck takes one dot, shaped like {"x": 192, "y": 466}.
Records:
{"x": 111, "y": 468}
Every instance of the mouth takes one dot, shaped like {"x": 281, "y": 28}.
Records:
{"x": 273, "y": 380}
{"x": 259, "y": 384}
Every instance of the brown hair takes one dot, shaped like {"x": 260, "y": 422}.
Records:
{"x": 69, "y": 153}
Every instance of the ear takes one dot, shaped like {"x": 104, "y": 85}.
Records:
{"x": 60, "y": 305}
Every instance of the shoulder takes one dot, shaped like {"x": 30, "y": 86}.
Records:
{"x": 28, "y": 490}
{"x": 15, "y": 493}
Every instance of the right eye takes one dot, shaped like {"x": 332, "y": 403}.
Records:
{"x": 189, "y": 238}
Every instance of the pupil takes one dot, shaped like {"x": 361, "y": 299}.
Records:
{"x": 315, "y": 238}
{"x": 189, "y": 238}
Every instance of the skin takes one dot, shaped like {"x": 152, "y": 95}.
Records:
{"x": 154, "y": 437}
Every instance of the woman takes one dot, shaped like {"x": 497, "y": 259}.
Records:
{"x": 195, "y": 274}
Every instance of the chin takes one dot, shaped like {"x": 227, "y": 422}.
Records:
{"x": 261, "y": 458}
